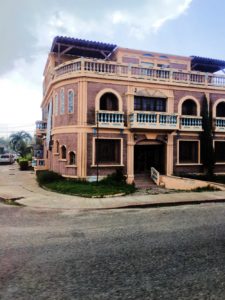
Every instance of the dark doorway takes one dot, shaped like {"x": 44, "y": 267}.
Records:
{"x": 147, "y": 156}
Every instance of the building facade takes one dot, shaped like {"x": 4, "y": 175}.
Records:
{"x": 106, "y": 107}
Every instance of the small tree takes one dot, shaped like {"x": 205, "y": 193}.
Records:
{"x": 19, "y": 142}
{"x": 207, "y": 151}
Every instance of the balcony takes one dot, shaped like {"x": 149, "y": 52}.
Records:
{"x": 112, "y": 69}
{"x": 39, "y": 164}
{"x": 190, "y": 123}
{"x": 219, "y": 124}
{"x": 110, "y": 119}
{"x": 153, "y": 120}
{"x": 41, "y": 127}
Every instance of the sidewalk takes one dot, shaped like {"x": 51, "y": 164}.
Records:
{"x": 15, "y": 184}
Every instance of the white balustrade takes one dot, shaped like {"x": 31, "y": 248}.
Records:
{"x": 191, "y": 123}
{"x": 110, "y": 119}
{"x": 153, "y": 120}
{"x": 127, "y": 70}
{"x": 219, "y": 124}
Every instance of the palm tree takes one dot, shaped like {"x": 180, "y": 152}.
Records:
{"x": 19, "y": 142}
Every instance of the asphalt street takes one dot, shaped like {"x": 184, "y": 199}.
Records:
{"x": 163, "y": 253}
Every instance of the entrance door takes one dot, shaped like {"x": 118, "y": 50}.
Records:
{"x": 147, "y": 156}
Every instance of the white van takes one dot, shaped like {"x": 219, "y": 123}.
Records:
{"x": 6, "y": 158}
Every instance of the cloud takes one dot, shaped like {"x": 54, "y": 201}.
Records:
{"x": 28, "y": 28}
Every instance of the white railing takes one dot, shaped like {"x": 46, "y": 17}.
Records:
{"x": 155, "y": 176}
{"x": 191, "y": 123}
{"x": 110, "y": 119}
{"x": 153, "y": 120}
{"x": 219, "y": 124}
{"x": 139, "y": 72}
{"x": 37, "y": 162}
{"x": 41, "y": 125}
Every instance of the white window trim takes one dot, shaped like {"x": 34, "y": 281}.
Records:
{"x": 107, "y": 165}
{"x": 178, "y": 153}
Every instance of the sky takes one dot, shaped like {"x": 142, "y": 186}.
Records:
{"x": 27, "y": 28}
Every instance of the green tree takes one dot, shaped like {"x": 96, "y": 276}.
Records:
{"x": 19, "y": 142}
{"x": 207, "y": 151}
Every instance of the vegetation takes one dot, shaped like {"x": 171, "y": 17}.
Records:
{"x": 208, "y": 188}
{"x": 207, "y": 151}
{"x": 113, "y": 184}
{"x": 19, "y": 142}
{"x": 24, "y": 164}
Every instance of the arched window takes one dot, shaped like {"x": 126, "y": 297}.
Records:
{"x": 72, "y": 158}
{"x": 220, "y": 109}
{"x": 63, "y": 152}
{"x": 189, "y": 107}
{"x": 109, "y": 101}
{"x": 57, "y": 146}
{"x": 56, "y": 104}
{"x": 70, "y": 102}
{"x": 62, "y": 102}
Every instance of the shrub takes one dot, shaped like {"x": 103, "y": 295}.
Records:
{"x": 115, "y": 178}
{"x": 23, "y": 163}
{"x": 47, "y": 177}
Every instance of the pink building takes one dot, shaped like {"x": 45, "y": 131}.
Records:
{"x": 106, "y": 107}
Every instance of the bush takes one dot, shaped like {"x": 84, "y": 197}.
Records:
{"x": 47, "y": 177}
{"x": 24, "y": 165}
{"x": 29, "y": 157}
{"x": 115, "y": 178}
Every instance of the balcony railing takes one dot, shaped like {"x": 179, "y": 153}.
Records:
{"x": 111, "y": 68}
{"x": 110, "y": 119}
{"x": 39, "y": 164}
{"x": 153, "y": 120}
{"x": 191, "y": 123}
{"x": 41, "y": 127}
{"x": 219, "y": 124}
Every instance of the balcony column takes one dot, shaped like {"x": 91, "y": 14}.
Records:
{"x": 130, "y": 158}
{"x": 169, "y": 154}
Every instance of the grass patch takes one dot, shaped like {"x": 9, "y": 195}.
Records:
{"x": 88, "y": 189}
{"x": 208, "y": 188}
{"x": 113, "y": 184}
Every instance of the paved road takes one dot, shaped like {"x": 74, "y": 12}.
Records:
{"x": 166, "y": 253}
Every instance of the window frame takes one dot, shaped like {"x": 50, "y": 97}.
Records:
{"x": 214, "y": 146}
{"x": 74, "y": 153}
{"x": 56, "y": 102}
{"x": 154, "y": 104}
{"x": 94, "y": 162}
{"x": 62, "y": 101}
{"x": 61, "y": 153}
{"x": 179, "y": 163}
{"x": 68, "y": 97}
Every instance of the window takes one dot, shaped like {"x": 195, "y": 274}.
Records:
{"x": 188, "y": 151}
{"x": 70, "y": 101}
{"x": 56, "y": 104}
{"x": 220, "y": 151}
{"x": 147, "y": 64}
{"x": 63, "y": 152}
{"x": 57, "y": 146}
{"x": 62, "y": 102}
{"x": 149, "y": 104}
{"x": 220, "y": 110}
{"x": 107, "y": 151}
{"x": 148, "y": 55}
{"x": 163, "y": 66}
{"x": 163, "y": 56}
{"x": 109, "y": 101}
{"x": 72, "y": 158}
{"x": 189, "y": 107}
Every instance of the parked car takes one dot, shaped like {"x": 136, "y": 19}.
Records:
{"x": 6, "y": 158}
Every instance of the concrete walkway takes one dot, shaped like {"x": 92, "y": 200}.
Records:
{"x": 16, "y": 184}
